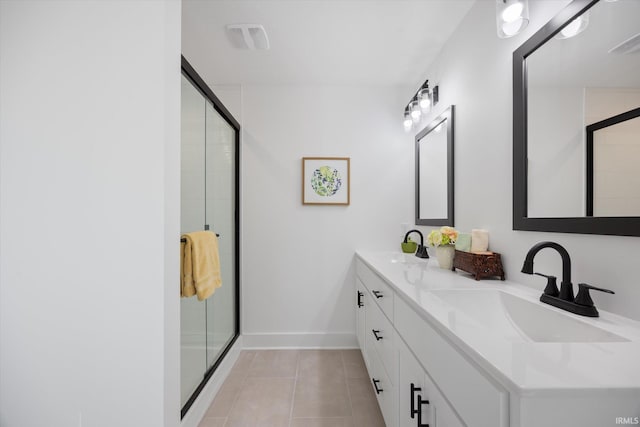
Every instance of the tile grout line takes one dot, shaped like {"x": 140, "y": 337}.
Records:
{"x": 242, "y": 384}
{"x": 346, "y": 380}
{"x": 295, "y": 384}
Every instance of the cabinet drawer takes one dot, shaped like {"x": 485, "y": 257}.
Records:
{"x": 381, "y": 336}
{"x": 381, "y": 293}
{"x": 386, "y": 392}
{"x": 477, "y": 400}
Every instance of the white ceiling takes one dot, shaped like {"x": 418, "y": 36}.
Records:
{"x": 350, "y": 42}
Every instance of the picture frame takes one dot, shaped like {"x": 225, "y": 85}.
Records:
{"x": 326, "y": 181}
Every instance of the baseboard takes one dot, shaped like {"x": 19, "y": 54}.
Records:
{"x": 204, "y": 399}
{"x": 295, "y": 340}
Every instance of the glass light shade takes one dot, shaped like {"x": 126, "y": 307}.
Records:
{"x": 575, "y": 27}
{"x": 408, "y": 123}
{"x": 512, "y": 16}
{"x": 424, "y": 99}
{"x": 416, "y": 113}
{"x": 512, "y": 12}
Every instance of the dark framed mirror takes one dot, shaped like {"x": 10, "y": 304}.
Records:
{"x": 434, "y": 171}
{"x": 578, "y": 70}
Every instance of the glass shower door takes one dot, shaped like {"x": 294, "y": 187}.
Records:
{"x": 209, "y": 180}
{"x": 193, "y": 338}
{"x": 220, "y": 217}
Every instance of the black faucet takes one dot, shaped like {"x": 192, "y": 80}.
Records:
{"x": 421, "y": 252}
{"x": 582, "y": 304}
{"x": 566, "y": 288}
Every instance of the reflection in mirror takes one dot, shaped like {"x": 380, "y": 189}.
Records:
{"x": 572, "y": 83}
{"x": 579, "y": 69}
{"x": 434, "y": 171}
{"x": 613, "y": 176}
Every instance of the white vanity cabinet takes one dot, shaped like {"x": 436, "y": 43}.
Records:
{"x": 478, "y": 362}
{"x": 401, "y": 349}
{"x": 362, "y": 302}
{"x": 377, "y": 338}
{"x": 420, "y": 403}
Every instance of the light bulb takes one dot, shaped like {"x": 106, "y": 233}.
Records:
{"x": 424, "y": 100}
{"x": 415, "y": 111}
{"x": 512, "y": 16}
{"x": 408, "y": 123}
{"x": 512, "y": 28}
{"x": 512, "y": 12}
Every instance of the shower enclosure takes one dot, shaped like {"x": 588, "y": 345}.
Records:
{"x": 209, "y": 201}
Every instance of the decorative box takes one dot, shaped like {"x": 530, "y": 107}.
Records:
{"x": 481, "y": 265}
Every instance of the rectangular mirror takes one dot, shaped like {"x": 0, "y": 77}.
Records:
{"x": 578, "y": 70}
{"x": 434, "y": 171}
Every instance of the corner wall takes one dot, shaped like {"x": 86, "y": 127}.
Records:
{"x": 474, "y": 73}
{"x": 89, "y": 213}
{"x": 297, "y": 274}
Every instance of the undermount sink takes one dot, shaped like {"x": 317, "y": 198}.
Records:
{"x": 518, "y": 319}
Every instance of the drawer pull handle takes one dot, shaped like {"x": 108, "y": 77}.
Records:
{"x": 414, "y": 411}
{"x": 375, "y": 334}
{"x": 420, "y": 403}
{"x": 360, "y": 295}
{"x": 377, "y": 294}
{"x": 375, "y": 385}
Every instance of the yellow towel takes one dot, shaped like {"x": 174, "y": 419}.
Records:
{"x": 200, "y": 265}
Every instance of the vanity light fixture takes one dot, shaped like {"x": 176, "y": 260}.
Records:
{"x": 419, "y": 105}
{"x": 408, "y": 122}
{"x": 575, "y": 27}
{"x": 512, "y": 16}
{"x": 424, "y": 99}
{"x": 416, "y": 112}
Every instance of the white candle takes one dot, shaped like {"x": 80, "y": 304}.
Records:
{"x": 479, "y": 240}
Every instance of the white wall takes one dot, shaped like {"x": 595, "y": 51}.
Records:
{"x": 474, "y": 73}
{"x": 89, "y": 213}
{"x": 556, "y": 185}
{"x": 297, "y": 274}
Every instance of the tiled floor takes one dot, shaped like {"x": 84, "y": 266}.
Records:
{"x": 296, "y": 388}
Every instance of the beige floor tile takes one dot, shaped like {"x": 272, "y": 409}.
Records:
{"x": 244, "y": 362}
{"x": 354, "y": 364}
{"x": 212, "y": 422}
{"x": 320, "y": 363}
{"x": 327, "y": 388}
{"x": 366, "y": 412}
{"x": 226, "y": 397}
{"x": 322, "y": 422}
{"x": 274, "y": 364}
{"x": 321, "y": 397}
{"x": 263, "y": 402}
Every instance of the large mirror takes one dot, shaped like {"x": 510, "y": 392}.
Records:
{"x": 434, "y": 171}
{"x": 578, "y": 80}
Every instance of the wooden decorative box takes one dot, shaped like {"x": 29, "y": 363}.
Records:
{"x": 481, "y": 265}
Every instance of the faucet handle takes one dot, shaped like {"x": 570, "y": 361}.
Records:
{"x": 552, "y": 287}
{"x": 584, "y": 298}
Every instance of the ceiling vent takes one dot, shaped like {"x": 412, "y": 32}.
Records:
{"x": 248, "y": 36}
{"x": 627, "y": 47}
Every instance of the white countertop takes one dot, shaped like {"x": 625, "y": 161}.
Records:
{"x": 527, "y": 368}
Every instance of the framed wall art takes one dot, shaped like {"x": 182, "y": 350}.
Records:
{"x": 325, "y": 181}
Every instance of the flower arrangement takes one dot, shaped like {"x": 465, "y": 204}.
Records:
{"x": 445, "y": 236}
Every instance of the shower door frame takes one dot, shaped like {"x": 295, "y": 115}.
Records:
{"x": 197, "y": 81}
